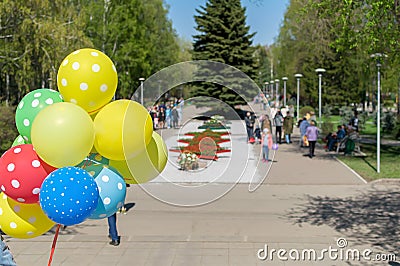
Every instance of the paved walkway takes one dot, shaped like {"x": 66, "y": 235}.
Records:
{"x": 303, "y": 204}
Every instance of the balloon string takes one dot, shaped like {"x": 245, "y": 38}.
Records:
{"x": 53, "y": 247}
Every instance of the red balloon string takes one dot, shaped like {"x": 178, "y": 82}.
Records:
{"x": 53, "y": 247}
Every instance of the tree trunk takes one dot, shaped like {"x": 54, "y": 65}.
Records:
{"x": 7, "y": 89}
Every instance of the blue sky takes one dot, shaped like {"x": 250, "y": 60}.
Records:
{"x": 263, "y": 16}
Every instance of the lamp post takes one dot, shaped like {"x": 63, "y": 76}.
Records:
{"x": 284, "y": 90}
{"x": 272, "y": 89}
{"x": 159, "y": 90}
{"x": 378, "y": 57}
{"x": 141, "y": 90}
{"x": 298, "y": 77}
{"x": 265, "y": 88}
{"x": 265, "y": 95}
{"x": 319, "y": 72}
{"x": 277, "y": 92}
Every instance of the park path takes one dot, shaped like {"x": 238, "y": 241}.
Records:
{"x": 289, "y": 167}
{"x": 303, "y": 204}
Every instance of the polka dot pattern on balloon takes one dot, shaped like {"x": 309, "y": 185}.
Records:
{"x": 30, "y": 105}
{"x": 88, "y": 78}
{"x": 112, "y": 190}
{"x": 22, "y": 220}
{"x": 69, "y": 195}
{"x": 22, "y": 173}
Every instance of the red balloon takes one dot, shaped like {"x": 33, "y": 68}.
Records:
{"x": 22, "y": 173}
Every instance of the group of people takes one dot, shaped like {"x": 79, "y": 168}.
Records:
{"x": 334, "y": 140}
{"x": 167, "y": 114}
{"x": 343, "y": 139}
{"x": 263, "y": 133}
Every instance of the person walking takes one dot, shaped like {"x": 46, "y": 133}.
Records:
{"x": 288, "y": 127}
{"x": 312, "y": 136}
{"x": 266, "y": 142}
{"x": 303, "y": 128}
{"x": 179, "y": 107}
{"x": 168, "y": 116}
{"x": 161, "y": 118}
{"x": 354, "y": 121}
{"x": 175, "y": 117}
{"x": 112, "y": 230}
{"x": 249, "y": 120}
{"x": 266, "y": 123}
{"x": 278, "y": 120}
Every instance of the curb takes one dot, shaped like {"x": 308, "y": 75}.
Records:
{"x": 386, "y": 181}
{"x": 351, "y": 170}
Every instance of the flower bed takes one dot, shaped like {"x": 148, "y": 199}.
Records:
{"x": 188, "y": 161}
{"x": 204, "y": 144}
{"x": 216, "y": 122}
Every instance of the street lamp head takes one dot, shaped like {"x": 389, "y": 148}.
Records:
{"x": 298, "y": 75}
{"x": 285, "y": 78}
{"x": 272, "y": 82}
{"x": 378, "y": 55}
{"x": 320, "y": 70}
{"x": 141, "y": 79}
{"x": 266, "y": 83}
{"x": 277, "y": 80}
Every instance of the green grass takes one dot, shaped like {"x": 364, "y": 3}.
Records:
{"x": 369, "y": 128}
{"x": 366, "y": 167}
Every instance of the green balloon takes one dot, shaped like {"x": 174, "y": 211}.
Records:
{"x": 18, "y": 141}
{"x": 30, "y": 106}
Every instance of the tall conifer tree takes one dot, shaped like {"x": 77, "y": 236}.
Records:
{"x": 224, "y": 37}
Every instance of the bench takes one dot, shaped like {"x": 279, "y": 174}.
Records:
{"x": 350, "y": 145}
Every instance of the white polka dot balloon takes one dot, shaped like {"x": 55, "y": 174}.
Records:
{"x": 22, "y": 173}
{"x": 69, "y": 195}
{"x": 30, "y": 105}
{"x": 22, "y": 220}
{"x": 88, "y": 78}
{"x": 18, "y": 141}
{"x": 112, "y": 189}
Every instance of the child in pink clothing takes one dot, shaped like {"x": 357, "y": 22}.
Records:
{"x": 266, "y": 142}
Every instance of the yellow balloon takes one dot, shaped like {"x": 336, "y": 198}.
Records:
{"x": 145, "y": 166}
{"x": 22, "y": 220}
{"x": 123, "y": 130}
{"x": 88, "y": 78}
{"x": 62, "y": 134}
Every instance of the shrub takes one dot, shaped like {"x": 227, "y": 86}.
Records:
{"x": 8, "y": 130}
{"x": 396, "y": 130}
{"x": 327, "y": 127}
{"x": 388, "y": 122}
{"x": 306, "y": 109}
{"x": 346, "y": 113}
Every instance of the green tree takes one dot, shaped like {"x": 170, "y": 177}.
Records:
{"x": 223, "y": 36}
{"x": 263, "y": 60}
{"x": 137, "y": 36}
{"x": 34, "y": 38}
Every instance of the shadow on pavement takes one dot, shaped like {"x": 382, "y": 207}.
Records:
{"x": 370, "y": 218}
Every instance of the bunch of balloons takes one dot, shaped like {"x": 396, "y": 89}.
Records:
{"x": 76, "y": 150}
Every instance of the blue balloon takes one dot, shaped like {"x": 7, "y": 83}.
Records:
{"x": 68, "y": 195}
{"x": 112, "y": 190}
